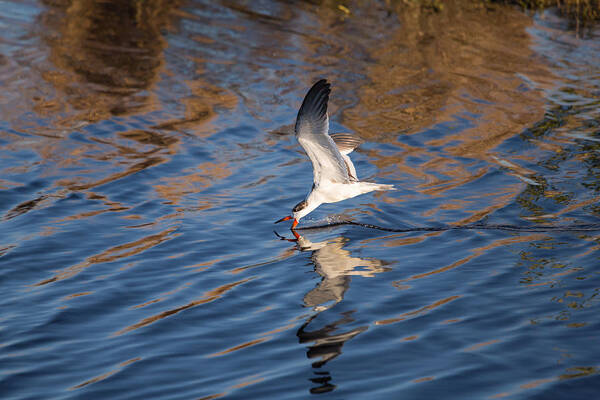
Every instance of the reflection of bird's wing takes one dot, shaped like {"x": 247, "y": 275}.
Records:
{"x": 333, "y": 260}
{"x": 312, "y": 125}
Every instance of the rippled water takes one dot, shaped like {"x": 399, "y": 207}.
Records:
{"x": 146, "y": 150}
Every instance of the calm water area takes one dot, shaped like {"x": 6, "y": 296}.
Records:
{"x": 147, "y": 147}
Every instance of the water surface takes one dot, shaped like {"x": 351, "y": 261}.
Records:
{"x": 147, "y": 148}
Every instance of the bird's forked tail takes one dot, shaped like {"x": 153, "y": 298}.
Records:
{"x": 370, "y": 186}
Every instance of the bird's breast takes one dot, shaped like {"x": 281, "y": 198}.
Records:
{"x": 333, "y": 192}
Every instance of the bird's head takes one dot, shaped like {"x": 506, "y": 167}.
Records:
{"x": 299, "y": 211}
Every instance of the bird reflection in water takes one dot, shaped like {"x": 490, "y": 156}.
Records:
{"x": 336, "y": 266}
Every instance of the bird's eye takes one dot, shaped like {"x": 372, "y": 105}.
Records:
{"x": 299, "y": 206}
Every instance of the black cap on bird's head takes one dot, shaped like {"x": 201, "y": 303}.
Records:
{"x": 300, "y": 206}
{"x": 297, "y": 208}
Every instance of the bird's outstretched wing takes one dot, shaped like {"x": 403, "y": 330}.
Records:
{"x": 346, "y": 142}
{"x": 312, "y": 125}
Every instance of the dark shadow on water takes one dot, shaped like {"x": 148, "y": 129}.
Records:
{"x": 326, "y": 344}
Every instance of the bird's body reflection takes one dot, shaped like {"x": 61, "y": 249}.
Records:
{"x": 336, "y": 266}
{"x": 326, "y": 344}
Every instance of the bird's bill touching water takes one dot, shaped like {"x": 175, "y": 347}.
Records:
{"x": 288, "y": 218}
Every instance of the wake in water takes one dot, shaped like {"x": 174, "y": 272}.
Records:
{"x": 501, "y": 227}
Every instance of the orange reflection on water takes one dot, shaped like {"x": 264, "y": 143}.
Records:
{"x": 574, "y": 205}
{"x": 424, "y": 379}
{"x": 113, "y": 206}
{"x": 536, "y": 383}
{"x": 162, "y": 296}
{"x": 477, "y": 252}
{"x": 285, "y": 254}
{"x": 200, "y": 108}
{"x": 572, "y": 373}
{"x": 406, "y": 241}
{"x": 113, "y": 254}
{"x": 550, "y": 279}
{"x": 207, "y": 264}
{"x": 247, "y": 381}
{"x": 6, "y": 184}
{"x": 263, "y": 337}
{"x": 106, "y": 375}
{"x": 466, "y": 68}
{"x": 418, "y": 312}
{"x": 213, "y": 396}
{"x": 498, "y": 202}
{"x": 451, "y": 204}
{"x": 280, "y": 329}
{"x": 451, "y": 321}
{"x": 208, "y": 297}
{"x": 478, "y": 346}
{"x": 104, "y": 54}
{"x": 88, "y": 214}
{"x": 436, "y": 186}
{"x": 240, "y": 347}
{"x": 592, "y": 248}
{"x": 174, "y": 189}
{"x": 72, "y": 296}
{"x": 77, "y": 184}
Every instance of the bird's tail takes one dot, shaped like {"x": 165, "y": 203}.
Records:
{"x": 370, "y": 186}
{"x": 381, "y": 186}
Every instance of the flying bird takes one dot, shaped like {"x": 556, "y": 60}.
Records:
{"x": 334, "y": 175}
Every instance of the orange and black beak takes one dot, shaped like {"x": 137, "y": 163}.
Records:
{"x": 287, "y": 218}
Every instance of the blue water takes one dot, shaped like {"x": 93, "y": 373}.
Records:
{"x": 147, "y": 149}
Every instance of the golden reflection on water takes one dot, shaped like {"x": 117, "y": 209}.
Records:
{"x": 163, "y": 296}
{"x": 174, "y": 189}
{"x": 113, "y": 254}
{"x": 246, "y": 381}
{"x": 476, "y": 253}
{"x": 424, "y": 379}
{"x": 478, "y": 346}
{"x": 112, "y": 206}
{"x": 106, "y": 59}
{"x": 571, "y": 373}
{"x": 74, "y": 295}
{"x": 418, "y": 312}
{"x": 240, "y": 347}
{"x": 200, "y": 108}
{"x": 208, "y": 297}
{"x": 106, "y": 374}
{"x": 106, "y": 53}
{"x": 450, "y": 53}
